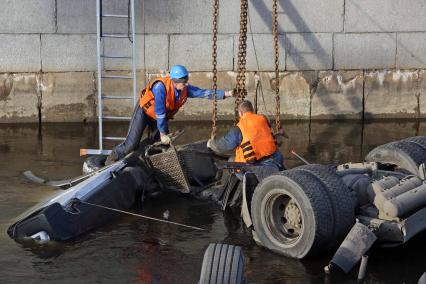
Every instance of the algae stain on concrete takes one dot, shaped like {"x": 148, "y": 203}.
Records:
{"x": 59, "y": 112}
{"x": 6, "y": 85}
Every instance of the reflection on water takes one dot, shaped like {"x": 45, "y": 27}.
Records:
{"x": 135, "y": 250}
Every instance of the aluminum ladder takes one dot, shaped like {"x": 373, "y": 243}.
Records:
{"x": 103, "y": 73}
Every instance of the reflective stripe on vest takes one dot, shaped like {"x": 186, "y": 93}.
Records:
{"x": 258, "y": 141}
{"x": 146, "y": 101}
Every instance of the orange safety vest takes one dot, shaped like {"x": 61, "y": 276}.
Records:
{"x": 146, "y": 101}
{"x": 258, "y": 141}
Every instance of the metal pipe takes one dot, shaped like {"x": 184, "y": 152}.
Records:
{"x": 300, "y": 157}
{"x": 132, "y": 11}
{"x": 353, "y": 171}
{"x": 363, "y": 267}
{"x": 98, "y": 46}
{"x": 406, "y": 202}
{"x": 402, "y": 187}
{"x": 381, "y": 185}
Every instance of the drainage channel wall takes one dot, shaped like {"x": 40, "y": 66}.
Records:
{"x": 338, "y": 58}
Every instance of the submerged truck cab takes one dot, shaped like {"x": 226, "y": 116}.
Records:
{"x": 297, "y": 213}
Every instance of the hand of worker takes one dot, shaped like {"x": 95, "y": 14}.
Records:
{"x": 165, "y": 139}
{"x": 229, "y": 93}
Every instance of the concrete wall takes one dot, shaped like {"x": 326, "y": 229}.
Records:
{"x": 361, "y": 52}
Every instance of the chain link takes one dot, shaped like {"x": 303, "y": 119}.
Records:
{"x": 256, "y": 86}
{"x": 242, "y": 52}
{"x": 277, "y": 78}
{"x": 214, "y": 55}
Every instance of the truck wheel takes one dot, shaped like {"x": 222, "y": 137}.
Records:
{"x": 292, "y": 214}
{"x": 403, "y": 154}
{"x": 341, "y": 198}
{"x": 222, "y": 263}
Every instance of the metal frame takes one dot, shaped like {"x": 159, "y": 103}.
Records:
{"x": 169, "y": 169}
{"x": 102, "y": 73}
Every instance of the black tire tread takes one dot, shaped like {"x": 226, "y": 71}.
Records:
{"x": 322, "y": 207}
{"x": 227, "y": 271}
{"x": 341, "y": 197}
{"x": 236, "y": 261}
{"x": 414, "y": 152}
{"x": 215, "y": 264}
{"x": 222, "y": 263}
{"x": 418, "y": 140}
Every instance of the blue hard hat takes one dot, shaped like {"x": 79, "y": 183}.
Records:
{"x": 178, "y": 71}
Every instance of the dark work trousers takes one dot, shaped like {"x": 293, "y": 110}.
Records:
{"x": 140, "y": 120}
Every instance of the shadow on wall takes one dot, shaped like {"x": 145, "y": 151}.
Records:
{"x": 310, "y": 40}
{"x": 317, "y": 50}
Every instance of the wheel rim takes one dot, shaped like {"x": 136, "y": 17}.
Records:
{"x": 284, "y": 218}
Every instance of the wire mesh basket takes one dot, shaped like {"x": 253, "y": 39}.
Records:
{"x": 169, "y": 170}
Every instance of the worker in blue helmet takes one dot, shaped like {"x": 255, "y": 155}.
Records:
{"x": 159, "y": 102}
{"x": 178, "y": 72}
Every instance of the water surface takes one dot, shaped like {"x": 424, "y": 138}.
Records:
{"x": 133, "y": 250}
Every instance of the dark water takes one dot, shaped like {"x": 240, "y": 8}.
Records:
{"x": 132, "y": 250}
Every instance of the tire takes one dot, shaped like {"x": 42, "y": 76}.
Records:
{"x": 419, "y": 140}
{"x": 341, "y": 198}
{"x": 93, "y": 163}
{"x": 292, "y": 214}
{"x": 222, "y": 263}
{"x": 403, "y": 154}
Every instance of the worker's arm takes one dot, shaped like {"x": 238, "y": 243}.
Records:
{"x": 159, "y": 92}
{"x": 195, "y": 92}
{"x": 227, "y": 143}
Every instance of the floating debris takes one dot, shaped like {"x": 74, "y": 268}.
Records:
{"x": 166, "y": 214}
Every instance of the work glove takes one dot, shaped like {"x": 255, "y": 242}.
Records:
{"x": 165, "y": 139}
{"x": 229, "y": 93}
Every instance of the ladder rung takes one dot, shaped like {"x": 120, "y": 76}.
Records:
{"x": 117, "y": 117}
{"x": 114, "y": 138}
{"x": 114, "y": 16}
{"x": 116, "y": 56}
{"x": 117, "y": 98}
{"x": 116, "y": 77}
{"x": 84, "y": 152}
{"x": 116, "y": 35}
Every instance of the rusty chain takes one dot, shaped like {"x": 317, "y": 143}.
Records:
{"x": 242, "y": 52}
{"x": 214, "y": 55}
{"x": 256, "y": 88}
{"x": 277, "y": 78}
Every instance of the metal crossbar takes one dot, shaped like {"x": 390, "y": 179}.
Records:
{"x": 103, "y": 73}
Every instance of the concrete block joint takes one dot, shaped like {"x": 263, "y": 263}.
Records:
{"x": 324, "y": 50}
{"x": 370, "y": 94}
